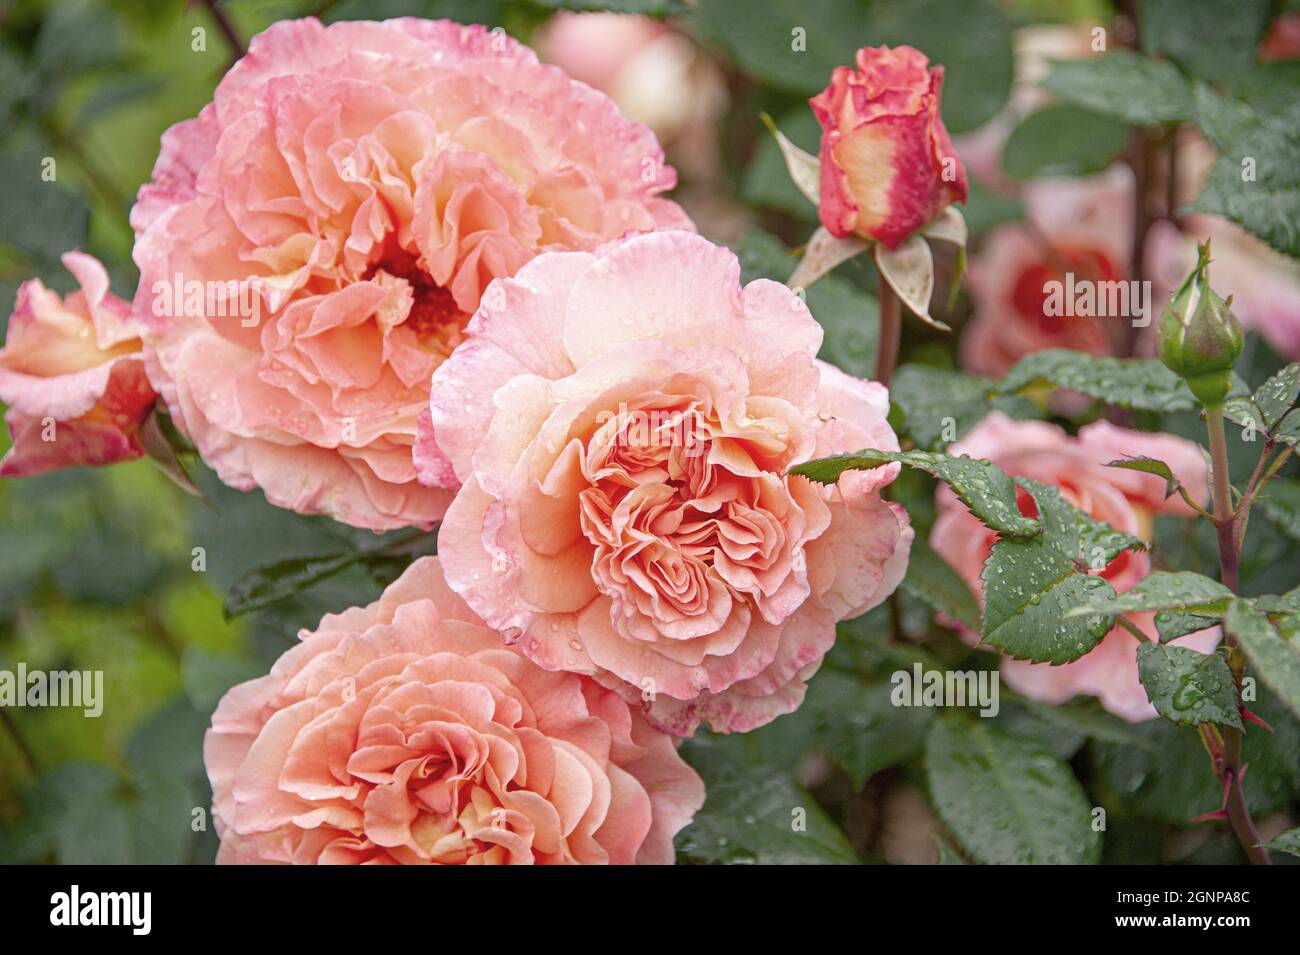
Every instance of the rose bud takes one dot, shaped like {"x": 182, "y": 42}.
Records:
{"x": 1199, "y": 336}
{"x": 887, "y": 164}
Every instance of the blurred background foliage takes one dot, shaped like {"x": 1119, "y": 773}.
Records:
{"x": 119, "y": 570}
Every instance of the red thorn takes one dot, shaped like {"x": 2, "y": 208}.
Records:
{"x": 1218, "y": 815}
{"x": 1250, "y": 717}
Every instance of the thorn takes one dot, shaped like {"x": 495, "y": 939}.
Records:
{"x": 1218, "y": 815}
{"x": 1250, "y": 717}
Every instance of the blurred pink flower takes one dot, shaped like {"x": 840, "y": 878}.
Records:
{"x": 406, "y": 733}
{"x": 1079, "y": 226}
{"x": 337, "y": 211}
{"x": 622, "y": 423}
{"x": 1126, "y": 500}
{"x": 887, "y": 164}
{"x": 73, "y": 376}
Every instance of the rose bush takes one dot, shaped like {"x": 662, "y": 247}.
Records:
{"x": 405, "y": 732}
{"x": 620, "y": 424}
{"x": 73, "y": 376}
{"x": 339, "y": 208}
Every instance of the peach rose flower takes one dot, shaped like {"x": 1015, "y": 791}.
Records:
{"x": 313, "y": 243}
{"x": 888, "y": 166}
{"x": 1126, "y": 500}
{"x": 406, "y": 733}
{"x": 73, "y": 376}
{"x": 1078, "y": 226}
{"x": 622, "y": 423}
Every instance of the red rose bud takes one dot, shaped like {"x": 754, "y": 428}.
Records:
{"x": 1199, "y": 338}
{"x": 887, "y": 164}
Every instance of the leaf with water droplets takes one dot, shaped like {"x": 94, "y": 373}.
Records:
{"x": 978, "y": 484}
{"x": 1172, "y": 624}
{"x": 1030, "y": 585}
{"x": 1288, "y": 841}
{"x": 1187, "y": 686}
{"x": 759, "y": 816}
{"x": 1288, "y": 431}
{"x": 1181, "y": 590}
{"x": 1276, "y": 660}
{"x": 938, "y": 400}
{"x": 1275, "y": 397}
{"x": 1007, "y": 800}
{"x": 1140, "y": 384}
{"x": 1280, "y": 502}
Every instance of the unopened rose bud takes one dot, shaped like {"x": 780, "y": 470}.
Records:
{"x": 1199, "y": 337}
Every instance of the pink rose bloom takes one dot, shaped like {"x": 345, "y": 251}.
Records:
{"x": 888, "y": 166}
{"x": 1264, "y": 285}
{"x": 72, "y": 374}
{"x": 622, "y": 423}
{"x": 313, "y": 244}
{"x": 1126, "y": 500}
{"x": 406, "y": 733}
{"x": 1074, "y": 226}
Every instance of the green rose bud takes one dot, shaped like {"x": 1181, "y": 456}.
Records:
{"x": 1199, "y": 338}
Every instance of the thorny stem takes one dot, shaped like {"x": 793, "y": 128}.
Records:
{"x": 1230, "y": 769}
{"x": 891, "y": 332}
{"x": 227, "y": 29}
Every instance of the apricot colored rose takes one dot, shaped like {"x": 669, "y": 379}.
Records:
{"x": 405, "y": 732}
{"x": 1126, "y": 500}
{"x": 887, "y": 164}
{"x": 313, "y": 243}
{"x": 73, "y": 376}
{"x": 622, "y": 424}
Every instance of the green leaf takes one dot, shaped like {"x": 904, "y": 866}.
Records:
{"x": 1150, "y": 466}
{"x": 753, "y": 815}
{"x": 1031, "y": 585}
{"x": 284, "y": 578}
{"x": 1276, "y": 661}
{"x": 1140, "y": 384}
{"x": 978, "y": 484}
{"x": 1063, "y": 139}
{"x": 1280, "y": 502}
{"x": 1187, "y": 686}
{"x": 859, "y": 726}
{"x": 1275, "y": 397}
{"x": 930, "y": 578}
{"x": 164, "y": 446}
{"x": 1007, "y": 800}
{"x": 1288, "y": 430}
{"x": 1125, "y": 85}
{"x": 1288, "y": 841}
{"x": 931, "y": 399}
{"x": 1162, "y": 590}
{"x": 1209, "y": 40}
{"x": 972, "y": 39}
{"x": 765, "y": 40}
{"x": 1245, "y": 412}
{"x": 1172, "y": 624}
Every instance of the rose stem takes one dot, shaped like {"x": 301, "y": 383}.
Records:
{"x": 1229, "y": 561}
{"x": 891, "y": 333}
